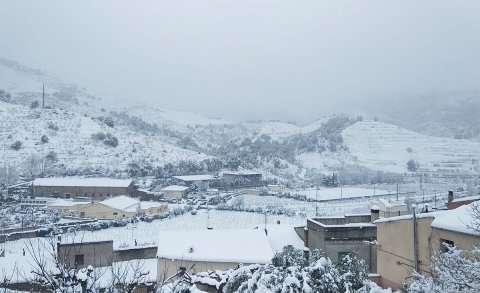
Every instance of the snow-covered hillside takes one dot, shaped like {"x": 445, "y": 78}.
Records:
{"x": 70, "y": 138}
{"x": 387, "y": 147}
{"x": 152, "y": 136}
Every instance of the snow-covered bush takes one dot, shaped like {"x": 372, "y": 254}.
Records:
{"x": 44, "y": 139}
{"x": 452, "y": 271}
{"x": 291, "y": 270}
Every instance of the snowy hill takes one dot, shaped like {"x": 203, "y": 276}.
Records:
{"x": 79, "y": 136}
{"x": 71, "y": 137}
{"x": 387, "y": 147}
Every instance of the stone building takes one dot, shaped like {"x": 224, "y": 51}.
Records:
{"x": 121, "y": 207}
{"x": 82, "y": 255}
{"x": 339, "y": 236}
{"x": 74, "y": 187}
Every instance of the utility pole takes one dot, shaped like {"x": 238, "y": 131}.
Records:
{"x": 316, "y": 202}
{"x": 43, "y": 96}
{"x": 397, "y": 191}
{"x": 415, "y": 247}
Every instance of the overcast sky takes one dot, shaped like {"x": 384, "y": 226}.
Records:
{"x": 249, "y": 59}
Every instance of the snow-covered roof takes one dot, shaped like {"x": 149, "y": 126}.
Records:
{"x": 234, "y": 246}
{"x": 83, "y": 182}
{"x": 175, "y": 188}
{"x": 150, "y": 204}
{"x": 282, "y": 235}
{"x": 122, "y": 202}
{"x": 468, "y": 198}
{"x": 457, "y": 220}
{"x": 194, "y": 177}
{"x": 390, "y": 204}
{"x": 67, "y": 203}
{"x": 408, "y": 217}
{"x": 242, "y": 173}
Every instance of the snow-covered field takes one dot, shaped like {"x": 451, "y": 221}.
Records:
{"x": 304, "y": 208}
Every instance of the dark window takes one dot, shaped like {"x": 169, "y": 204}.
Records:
{"x": 342, "y": 255}
{"x": 115, "y": 214}
{"x": 445, "y": 244}
{"x": 182, "y": 270}
{"x": 79, "y": 259}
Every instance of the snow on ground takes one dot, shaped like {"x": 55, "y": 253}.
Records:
{"x": 381, "y": 146}
{"x": 322, "y": 161}
{"x": 218, "y": 245}
{"x": 303, "y": 209}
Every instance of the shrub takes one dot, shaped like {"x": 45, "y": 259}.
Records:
{"x": 34, "y": 105}
{"x": 44, "y": 139}
{"x": 98, "y": 136}
{"x": 52, "y": 126}
{"x": 110, "y": 140}
{"x": 52, "y": 156}
{"x": 412, "y": 166}
{"x": 17, "y": 145}
{"x": 109, "y": 121}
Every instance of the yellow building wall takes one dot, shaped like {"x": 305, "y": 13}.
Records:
{"x": 100, "y": 211}
{"x": 395, "y": 254}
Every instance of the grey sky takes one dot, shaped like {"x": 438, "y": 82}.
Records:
{"x": 249, "y": 59}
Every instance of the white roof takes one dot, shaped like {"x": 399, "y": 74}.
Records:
{"x": 457, "y": 220}
{"x": 122, "y": 202}
{"x": 67, "y": 203}
{"x": 150, "y": 204}
{"x": 282, "y": 235}
{"x": 83, "y": 182}
{"x": 195, "y": 177}
{"x": 242, "y": 173}
{"x": 390, "y": 204}
{"x": 175, "y": 188}
{"x": 235, "y": 246}
{"x": 408, "y": 217}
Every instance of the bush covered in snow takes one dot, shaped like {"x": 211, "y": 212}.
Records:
{"x": 452, "y": 271}
{"x": 291, "y": 270}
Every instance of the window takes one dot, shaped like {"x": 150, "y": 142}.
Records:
{"x": 115, "y": 214}
{"x": 79, "y": 259}
{"x": 444, "y": 244}
{"x": 343, "y": 254}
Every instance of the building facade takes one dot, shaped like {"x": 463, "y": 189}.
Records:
{"x": 340, "y": 236}
{"x": 93, "y": 188}
{"x": 404, "y": 243}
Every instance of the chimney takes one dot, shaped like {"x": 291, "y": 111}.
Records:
{"x": 305, "y": 236}
{"x": 450, "y": 196}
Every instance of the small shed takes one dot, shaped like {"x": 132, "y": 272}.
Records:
{"x": 175, "y": 191}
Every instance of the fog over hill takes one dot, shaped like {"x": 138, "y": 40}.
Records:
{"x": 79, "y": 132}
